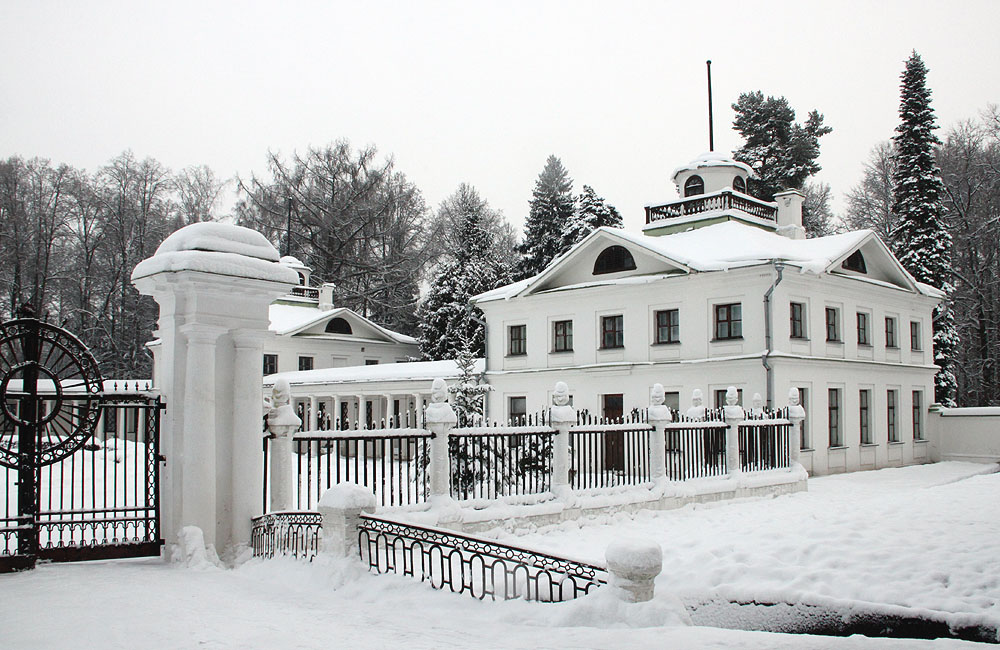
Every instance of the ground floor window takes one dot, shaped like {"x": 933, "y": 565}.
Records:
{"x": 305, "y": 363}
{"x": 918, "y": 415}
{"x": 864, "y": 412}
{"x": 804, "y": 427}
{"x": 720, "y": 397}
{"x": 270, "y": 364}
{"x": 612, "y": 406}
{"x": 517, "y": 409}
{"x": 833, "y": 417}
{"x": 891, "y": 400}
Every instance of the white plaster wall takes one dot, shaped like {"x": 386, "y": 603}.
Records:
{"x": 330, "y": 353}
{"x": 966, "y": 434}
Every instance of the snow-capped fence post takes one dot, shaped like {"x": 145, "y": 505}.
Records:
{"x": 341, "y": 507}
{"x": 797, "y": 415}
{"x": 634, "y": 565}
{"x": 734, "y": 415}
{"x": 440, "y": 419}
{"x": 214, "y": 284}
{"x": 561, "y": 417}
{"x": 659, "y": 417}
{"x": 281, "y": 424}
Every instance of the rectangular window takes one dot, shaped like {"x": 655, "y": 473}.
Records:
{"x": 915, "y": 336}
{"x": 891, "y": 399}
{"x": 798, "y": 324}
{"x": 668, "y": 326}
{"x": 864, "y": 411}
{"x": 833, "y": 417}
{"x": 612, "y": 332}
{"x": 270, "y": 364}
{"x": 729, "y": 321}
{"x": 804, "y": 427}
{"x": 517, "y": 339}
{"x": 833, "y": 324}
{"x": 864, "y": 336}
{"x": 517, "y": 409}
{"x": 918, "y": 415}
{"x": 371, "y": 362}
{"x": 562, "y": 336}
{"x": 613, "y": 407}
{"x": 720, "y": 397}
{"x": 890, "y": 332}
{"x": 305, "y": 363}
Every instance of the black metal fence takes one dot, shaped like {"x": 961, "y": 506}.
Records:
{"x": 607, "y": 455}
{"x": 695, "y": 450}
{"x": 478, "y": 567}
{"x": 764, "y": 444}
{"x": 286, "y": 533}
{"x": 492, "y": 462}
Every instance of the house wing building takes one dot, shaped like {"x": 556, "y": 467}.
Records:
{"x": 723, "y": 289}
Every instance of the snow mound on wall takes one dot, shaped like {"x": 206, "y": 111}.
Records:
{"x": 348, "y": 496}
{"x": 220, "y": 238}
{"x": 191, "y": 552}
{"x": 602, "y": 608}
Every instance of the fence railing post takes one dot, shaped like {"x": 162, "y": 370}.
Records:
{"x": 282, "y": 422}
{"x": 561, "y": 417}
{"x": 341, "y": 507}
{"x": 440, "y": 419}
{"x": 659, "y": 417}
{"x": 796, "y": 415}
{"x": 633, "y": 565}
{"x": 734, "y": 415}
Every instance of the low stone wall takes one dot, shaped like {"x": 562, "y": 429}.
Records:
{"x": 965, "y": 434}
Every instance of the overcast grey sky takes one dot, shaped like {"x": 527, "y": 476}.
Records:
{"x": 472, "y": 91}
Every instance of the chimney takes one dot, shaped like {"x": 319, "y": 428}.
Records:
{"x": 790, "y": 214}
{"x": 326, "y": 295}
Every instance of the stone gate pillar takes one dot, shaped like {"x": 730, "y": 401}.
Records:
{"x": 214, "y": 283}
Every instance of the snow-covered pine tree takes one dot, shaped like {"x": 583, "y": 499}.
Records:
{"x": 478, "y": 264}
{"x": 591, "y": 213}
{"x": 781, "y": 151}
{"x": 920, "y": 238}
{"x": 470, "y": 391}
{"x": 551, "y": 207}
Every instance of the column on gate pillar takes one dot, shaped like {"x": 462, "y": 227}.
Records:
{"x": 390, "y": 410}
{"x": 797, "y": 415}
{"x": 360, "y": 417}
{"x": 562, "y": 416}
{"x": 313, "y": 413}
{"x": 659, "y": 418}
{"x": 334, "y": 411}
{"x": 734, "y": 415}
{"x": 418, "y": 411}
{"x": 213, "y": 283}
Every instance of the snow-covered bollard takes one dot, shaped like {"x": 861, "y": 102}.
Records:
{"x": 734, "y": 415}
{"x": 281, "y": 424}
{"x": 341, "y": 507}
{"x": 796, "y": 414}
{"x": 440, "y": 419}
{"x": 659, "y": 417}
{"x": 561, "y": 417}
{"x": 633, "y": 565}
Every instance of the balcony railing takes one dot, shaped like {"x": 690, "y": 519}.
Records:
{"x": 306, "y": 292}
{"x": 724, "y": 200}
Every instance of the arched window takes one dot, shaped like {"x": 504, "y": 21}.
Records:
{"x": 740, "y": 185}
{"x": 614, "y": 259}
{"x": 693, "y": 186}
{"x": 338, "y": 326}
{"x": 302, "y": 278}
{"x": 855, "y": 262}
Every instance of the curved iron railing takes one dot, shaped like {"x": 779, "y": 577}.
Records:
{"x": 286, "y": 533}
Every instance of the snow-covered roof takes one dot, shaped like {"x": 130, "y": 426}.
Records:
{"x": 725, "y": 246}
{"x": 412, "y": 371}
{"x": 713, "y": 159}
{"x": 287, "y": 320}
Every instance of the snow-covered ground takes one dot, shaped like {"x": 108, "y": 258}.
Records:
{"x": 923, "y": 537}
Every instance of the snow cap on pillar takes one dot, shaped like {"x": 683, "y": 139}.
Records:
{"x": 218, "y": 248}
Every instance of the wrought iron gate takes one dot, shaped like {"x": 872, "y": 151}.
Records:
{"x": 79, "y": 465}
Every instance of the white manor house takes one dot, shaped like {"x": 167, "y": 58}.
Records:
{"x": 719, "y": 289}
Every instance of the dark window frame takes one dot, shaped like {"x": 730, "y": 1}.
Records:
{"x": 273, "y": 358}
{"x": 562, "y": 336}
{"x": 918, "y": 415}
{"x": 669, "y": 330}
{"x": 739, "y": 184}
{"x": 833, "y": 325}
{"x": 916, "y": 344}
{"x": 728, "y": 321}
{"x": 338, "y": 325}
{"x": 797, "y": 320}
{"x": 865, "y": 415}
{"x": 307, "y": 363}
{"x": 833, "y": 408}
{"x": 864, "y": 329}
{"x": 615, "y": 334}
{"x": 694, "y": 186}
{"x": 891, "y": 414}
{"x": 520, "y": 416}
{"x": 517, "y": 340}
{"x": 891, "y": 333}
{"x": 855, "y": 262}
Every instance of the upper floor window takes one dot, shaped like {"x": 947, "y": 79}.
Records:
{"x": 915, "y": 335}
{"x": 305, "y": 363}
{"x": 668, "y": 327}
{"x": 614, "y": 259}
{"x": 855, "y": 262}
{"x": 833, "y": 324}
{"x": 338, "y": 326}
{"x": 270, "y": 364}
{"x": 694, "y": 186}
{"x": 864, "y": 337}
{"x": 371, "y": 362}
{"x": 740, "y": 185}
{"x": 562, "y": 336}
{"x": 729, "y": 321}
{"x": 798, "y": 320}
{"x": 890, "y": 332}
{"x": 517, "y": 339}
{"x": 612, "y": 332}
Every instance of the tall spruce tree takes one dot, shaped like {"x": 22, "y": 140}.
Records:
{"x": 781, "y": 151}
{"x": 552, "y": 205}
{"x": 446, "y": 322}
{"x": 920, "y": 238}
{"x": 591, "y": 213}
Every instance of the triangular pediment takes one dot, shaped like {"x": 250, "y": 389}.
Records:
{"x": 588, "y": 263}
{"x": 878, "y": 265}
{"x": 344, "y": 323}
